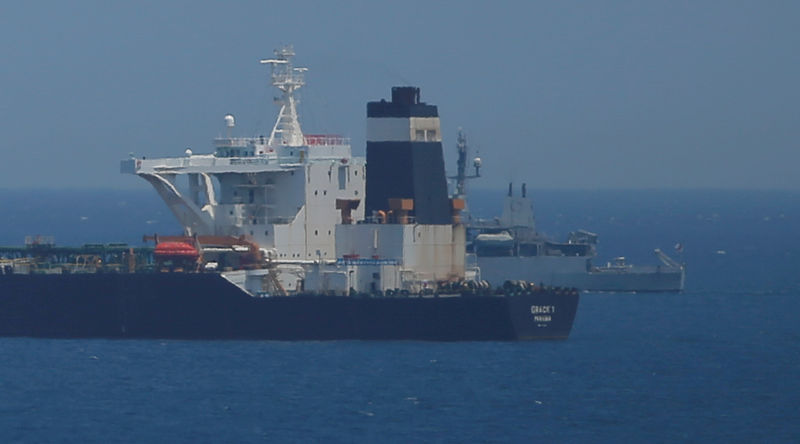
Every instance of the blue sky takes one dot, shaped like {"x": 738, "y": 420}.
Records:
{"x": 612, "y": 94}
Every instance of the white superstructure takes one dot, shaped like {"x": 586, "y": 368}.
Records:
{"x": 278, "y": 191}
{"x": 298, "y": 197}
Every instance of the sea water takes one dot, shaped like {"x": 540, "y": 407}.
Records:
{"x": 719, "y": 362}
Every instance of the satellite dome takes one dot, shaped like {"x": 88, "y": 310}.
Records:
{"x": 230, "y": 122}
{"x": 188, "y": 152}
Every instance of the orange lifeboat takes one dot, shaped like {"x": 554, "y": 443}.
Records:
{"x": 175, "y": 250}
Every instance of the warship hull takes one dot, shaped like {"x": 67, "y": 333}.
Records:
{"x": 207, "y": 306}
{"x": 576, "y": 272}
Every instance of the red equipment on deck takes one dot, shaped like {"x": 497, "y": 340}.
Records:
{"x": 176, "y": 250}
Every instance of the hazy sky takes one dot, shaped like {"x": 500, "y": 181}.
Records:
{"x": 602, "y": 94}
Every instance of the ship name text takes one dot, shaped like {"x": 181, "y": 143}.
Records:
{"x": 543, "y": 309}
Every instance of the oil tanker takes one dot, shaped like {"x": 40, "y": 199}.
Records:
{"x": 288, "y": 237}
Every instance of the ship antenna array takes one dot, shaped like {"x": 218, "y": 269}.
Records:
{"x": 288, "y": 79}
{"x": 461, "y": 175}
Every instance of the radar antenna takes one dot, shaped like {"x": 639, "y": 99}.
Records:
{"x": 288, "y": 79}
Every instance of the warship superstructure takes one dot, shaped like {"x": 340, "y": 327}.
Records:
{"x": 510, "y": 247}
{"x": 291, "y": 237}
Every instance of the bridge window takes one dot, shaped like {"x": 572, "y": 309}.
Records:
{"x": 342, "y": 177}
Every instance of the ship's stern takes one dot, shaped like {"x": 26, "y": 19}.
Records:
{"x": 543, "y": 314}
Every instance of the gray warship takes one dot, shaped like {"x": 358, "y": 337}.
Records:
{"x": 510, "y": 247}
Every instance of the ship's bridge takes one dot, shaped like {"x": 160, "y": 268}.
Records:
{"x": 246, "y": 155}
{"x": 280, "y": 190}
{"x": 281, "y": 196}
{"x": 316, "y": 146}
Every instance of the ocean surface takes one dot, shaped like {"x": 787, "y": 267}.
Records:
{"x": 719, "y": 362}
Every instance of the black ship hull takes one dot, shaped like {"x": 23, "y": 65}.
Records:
{"x": 206, "y": 306}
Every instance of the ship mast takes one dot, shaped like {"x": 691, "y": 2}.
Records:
{"x": 461, "y": 175}
{"x": 288, "y": 79}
